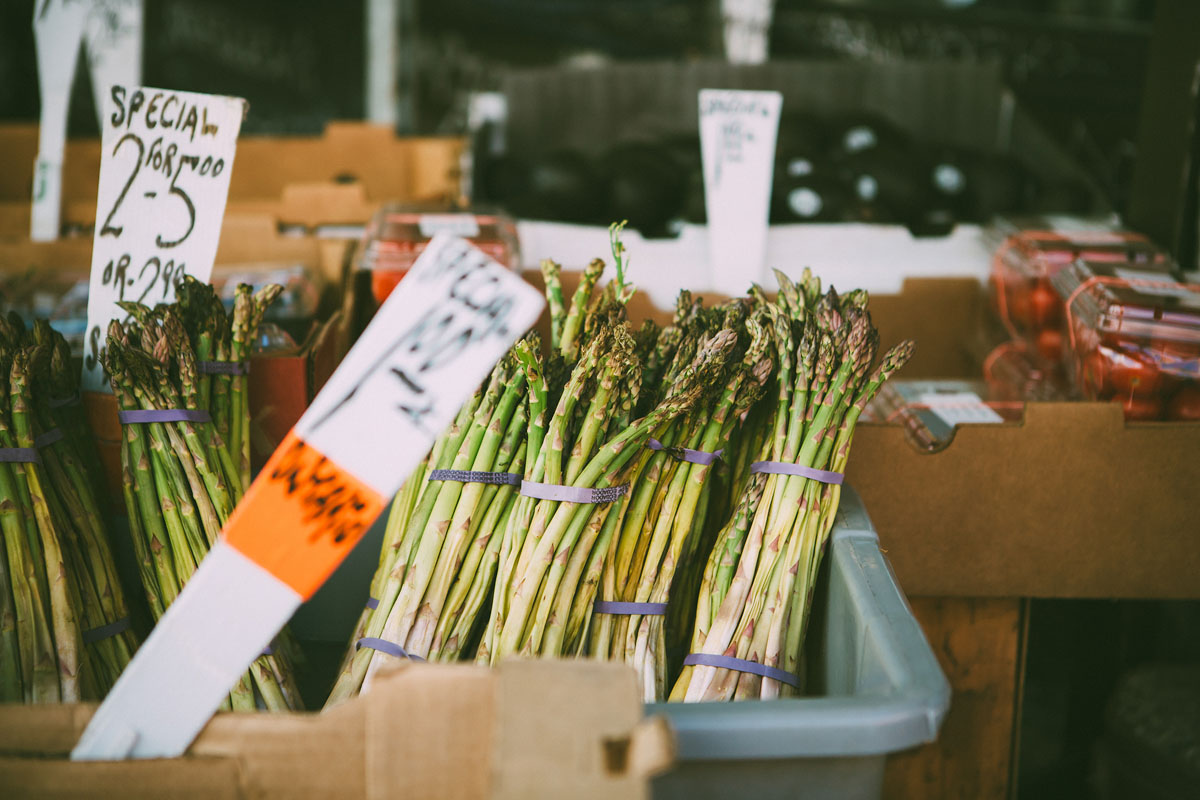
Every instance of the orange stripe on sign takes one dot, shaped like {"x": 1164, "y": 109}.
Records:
{"x": 302, "y": 516}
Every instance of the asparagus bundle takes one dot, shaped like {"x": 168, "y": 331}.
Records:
{"x": 671, "y": 494}
{"x": 181, "y": 478}
{"x": 64, "y": 624}
{"x": 753, "y": 604}
{"x": 436, "y": 545}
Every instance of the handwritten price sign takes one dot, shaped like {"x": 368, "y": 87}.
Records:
{"x": 164, "y": 177}
{"x": 431, "y": 343}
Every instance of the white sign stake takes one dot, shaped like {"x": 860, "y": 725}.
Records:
{"x": 164, "y": 176}
{"x": 113, "y": 33}
{"x": 431, "y": 343}
{"x": 57, "y": 30}
{"x": 737, "y": 144}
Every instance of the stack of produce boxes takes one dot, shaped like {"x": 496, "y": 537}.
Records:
{"x": 1030, "y": 365}
{"x": 1133, "y": 336}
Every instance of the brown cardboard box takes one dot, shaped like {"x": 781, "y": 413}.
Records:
{"x": 1073, "y": 501}
{"x": 272, "y": 175}
{"x": 436, "y": 731}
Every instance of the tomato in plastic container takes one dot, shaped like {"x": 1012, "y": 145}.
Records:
{"x": 1024, "y": 265}
{"x": 1015, "y": 372}
{"x": 1134, "y": 337}
{"x": 397, "y": 235}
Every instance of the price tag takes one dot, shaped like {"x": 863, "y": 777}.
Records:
{"x": 463, "y": 225}
{"x": 113, "y": 33}
{"x": 429, "y": 346}
{"x": 737, "y": 144}
{"x": 954, "y": 408}
{"x": 58, "y": 30}
{"x": 164, "y": 176}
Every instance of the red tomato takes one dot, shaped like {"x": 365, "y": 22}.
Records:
{"x": 1186, "y": 403}
{"x": 1142, "y": 407}
{"x": 1129, "y": 373}
{"x": 1093, "y": 370}
{"x": 1020, "y": 311}
{"x": 1045, "y": 306}
{"x": 1050, "y": 345}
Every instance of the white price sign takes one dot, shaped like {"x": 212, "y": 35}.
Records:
{"x": 164, "y": 177}
{"x": 737, "y": 145}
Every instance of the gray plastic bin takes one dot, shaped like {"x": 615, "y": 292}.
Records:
{"x": 873, "y": 686}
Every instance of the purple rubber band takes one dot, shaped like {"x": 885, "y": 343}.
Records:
{"x": 742, "y": 665}
{"x": 48, "y": 438}
{"x": 572, "y": 494}
{"x": 786, "y": 468}
{"x": 106, "y": 631}
{"x": 384, "y": 646}
{"x": 476, "y": 476}
{"x": 372, "y": 603}
{"x": 702, "y": 457}
{"x": 59, "y": 402}
{"x": 223, "y": 367}
{"x": 143, "y": 416}
{"x": 620, "y": 607}
{"x": 19, "y": 455}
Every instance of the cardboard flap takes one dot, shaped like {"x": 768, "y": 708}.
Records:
{"x": 562, "y": 750}
{"x": 42, "y": 729}
{"x": 651, "y": 747}
{"x": 429, "y": 732}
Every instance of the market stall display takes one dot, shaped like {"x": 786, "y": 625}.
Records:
{"x": 572, "y": 504}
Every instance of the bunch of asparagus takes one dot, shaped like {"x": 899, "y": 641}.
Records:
{"x": 64, "y": 624}
{"x": 183, "y": 477}
{"x": 756, "y": 593}
{"x": 479, "y": 563}
{"x": 661, "y": 522}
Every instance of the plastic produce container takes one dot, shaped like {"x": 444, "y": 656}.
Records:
{"x": 1134, "y": 337}
{"x": 1025, "y": 264}
{"x": 873, "y": 687}
{"x": 397, "y": 235}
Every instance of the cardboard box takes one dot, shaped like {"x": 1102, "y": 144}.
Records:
{"x": 341, "y": 176}
{"x": 1072, "y": 501}
{"x": 436, "y": 731}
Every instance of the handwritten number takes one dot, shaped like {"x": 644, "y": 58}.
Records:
{"x": 108, "y": 229}
{"x": 187, "y": 201}
{"x": 150, "y": 283}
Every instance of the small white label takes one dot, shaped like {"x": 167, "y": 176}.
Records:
{"x": 799, "y": 167}
{"x": 113, "y": 33}
{"x": 463, "y": 225}
{"x": 1157, "y": 285}
{"x": 166, "y": 158}
{"x": 858, "y": 138}
{"x": 949, "y": 178}
{"x": 954, "y": 408}
{"x": 867, "y": 187}
{"x": 737, "y": 143}
{"x": 430, "y": 344}
{"x": 805, "y": 202}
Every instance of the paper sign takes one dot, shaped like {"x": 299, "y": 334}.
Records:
{"x": 737, "y": 144}
{"x": 955, "y": 408}
{"x": 113, "y": 36}
{"x": 58, "y": 30}
{"x": 454, "y": 224}
{"x": 430, "y": 345}
{"x": 166, "y": 158}
{"x": 747, "y": 24}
